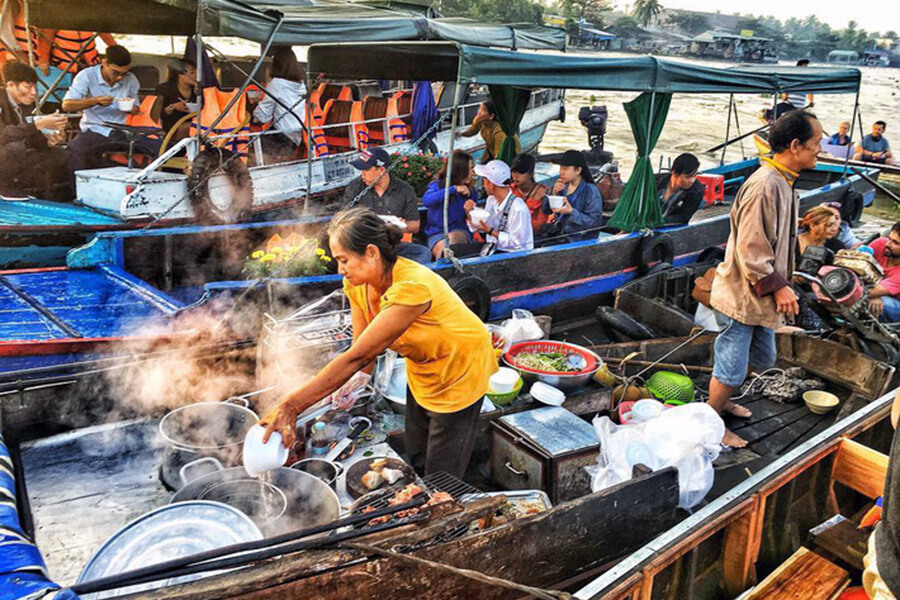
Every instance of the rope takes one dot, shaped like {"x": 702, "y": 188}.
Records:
{"x": 468, "y": 573}
{"x": 669, "y": 353}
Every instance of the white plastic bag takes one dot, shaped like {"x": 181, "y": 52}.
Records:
{"x": 687, "y": 437}
{"x": 522, "y": 327}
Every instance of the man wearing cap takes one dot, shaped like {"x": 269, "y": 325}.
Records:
{"x": 508, "y": 225}
{"x": 386, "y": 195}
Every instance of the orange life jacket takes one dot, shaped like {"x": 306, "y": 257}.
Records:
{"x": 397, "y": 127}
{"x": 358, "y": 128}
{"x": 66, "y": 46}
{"x": 236, "y": 123}
{"x": 314, "y": 125}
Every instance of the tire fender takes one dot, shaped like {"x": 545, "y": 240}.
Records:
{"x": 475, "y": 293}
{"x": 653, "y": 249}
{"x": 209, "y": 162}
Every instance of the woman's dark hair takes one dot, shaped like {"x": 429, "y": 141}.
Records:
{"x": 285, "y": 64}
{"x": 356, "y": 228}
{"x": 491, "y": 108}
{"x": 118, "y": 56}
{"x": 795, "y": 125}
{"x": 18, "y": 72}
{"x": 176, "y": 67}
{"x": 523, "y": 163}
{"x": 460, "y": 167}
{"x": 685, "y": 164}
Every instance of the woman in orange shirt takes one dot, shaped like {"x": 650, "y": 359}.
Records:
{"x": 399, "y": 304}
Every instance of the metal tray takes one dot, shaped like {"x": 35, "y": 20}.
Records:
{"x": 522, "y": 495}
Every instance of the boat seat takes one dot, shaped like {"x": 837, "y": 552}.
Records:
{"x": 229, "y": 77}
{"x": 336, "y": 125}
{"x": 375, "y": 108}
{"x": 842, "y": 538}
{"x": 147, "y": 76}
{"x": 404, "y": 106}
{"x": 804, "y": 575}
{"x": 332, "y": 91}
{"x": 361, "y": 91}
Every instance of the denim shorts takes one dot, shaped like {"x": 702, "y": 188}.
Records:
{"x": 436, "y": 237}
{"x": 739, "y": 346}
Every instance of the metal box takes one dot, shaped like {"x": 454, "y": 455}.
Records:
{"x": 546, "y": 449}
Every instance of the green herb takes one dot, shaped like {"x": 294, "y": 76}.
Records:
{"x": 545, "y": 361}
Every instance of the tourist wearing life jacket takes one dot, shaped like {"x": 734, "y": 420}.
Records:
{"x": 96, "y": 92}
{"x": 31, "y": 163}
{"x": 19, "y": 31}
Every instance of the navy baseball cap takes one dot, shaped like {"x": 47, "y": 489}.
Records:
{"x": 373, "y": 157}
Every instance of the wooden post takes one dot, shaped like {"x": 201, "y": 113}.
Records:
{"x": 741, "y": 548}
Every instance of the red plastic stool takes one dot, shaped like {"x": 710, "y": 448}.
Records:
{"x": 715, "y": 188}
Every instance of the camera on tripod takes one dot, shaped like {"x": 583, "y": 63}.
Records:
{"x": 593, "y": 118}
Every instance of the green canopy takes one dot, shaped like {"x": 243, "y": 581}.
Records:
{"x": 305, "y": 21}
{"x": 511, "y": 104}
{"x": 639, "y": 208}
{"x": 492, "y": 66}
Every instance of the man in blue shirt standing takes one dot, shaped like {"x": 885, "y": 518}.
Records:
{"x": 875, "y": 147}
{"x": 98, "y": 92}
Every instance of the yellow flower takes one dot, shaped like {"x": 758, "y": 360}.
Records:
{"x": 320, "y": 251}
{"x": 277, "y": 250}
{"x": 258, "y": 254}
{"x": 326, "y": 258}
{"x": 268, "y": 257}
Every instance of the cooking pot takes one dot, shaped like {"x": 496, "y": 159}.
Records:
{"x": 278, "y": 501}
{"x": 326, "y": 470}
{"x": 203, "y": 437}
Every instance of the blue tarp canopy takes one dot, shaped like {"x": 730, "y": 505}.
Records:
{"x": 306, "y": 21}
{"x": 470, "y": 64}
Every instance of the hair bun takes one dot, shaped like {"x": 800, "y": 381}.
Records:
{"x": 394, "y": 234}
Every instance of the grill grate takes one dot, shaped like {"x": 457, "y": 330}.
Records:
{"x": 435, "y": 482}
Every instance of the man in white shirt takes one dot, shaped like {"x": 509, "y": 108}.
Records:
{"x": 508, "y": 226}
{"x": 96, "y": 92}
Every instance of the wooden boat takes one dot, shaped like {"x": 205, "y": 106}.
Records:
{"x": 573, "y": 542}
{"x": 37, "y": 233}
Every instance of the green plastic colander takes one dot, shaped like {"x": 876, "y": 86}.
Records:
{"x": 671, "y": 388}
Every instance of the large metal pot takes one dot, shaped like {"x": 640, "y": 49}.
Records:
{"x": 278, "y": 501}
{"x": 203, "y": 437}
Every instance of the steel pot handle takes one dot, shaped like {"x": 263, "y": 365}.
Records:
{"x": 183, "y": 472}
{"x": 339, "y": 467}
{"x": 514, "y": 470}
{"x": 238, "y": 400}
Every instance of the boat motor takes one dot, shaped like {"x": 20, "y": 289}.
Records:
{"x": 594, "y": 118}
{"x": 841, "y": 287}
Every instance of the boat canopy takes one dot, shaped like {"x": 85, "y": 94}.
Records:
{"x": 305, "y": 21}
{"x": 491, "y": 66}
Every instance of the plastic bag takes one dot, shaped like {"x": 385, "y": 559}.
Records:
{"x": 686, "y": 437}
{"x": 522, "y": 327}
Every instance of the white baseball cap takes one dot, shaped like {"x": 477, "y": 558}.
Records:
{"x": 496, "y": 171}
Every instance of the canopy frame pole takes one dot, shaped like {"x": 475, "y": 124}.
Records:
{"x": 310, "y": 146}
{"x": 28, "y": 36}
{"x": 852, "y": 128}
{"x": 737, "y": 127}
{"x": 253, "y": 72}
{"x": 727, "y": 129}
{"x": 198, "y": 43}
{"x": 65, "y": 70}
{"x": 454, "y": 122}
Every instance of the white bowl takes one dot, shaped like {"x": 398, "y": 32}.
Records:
{"x": 395, "y": 221}
{"x": 820, "y": 402}
{"x": 547, "y": 394}
{"x": 478, "y": 215}
{"x": 192, "y": 106}
{"x": 125, "y": 104}
{"x": 259, "y": 457}
{"x": 644, "y": 410}
{"x": 503, "y": 381}
{"x": 556, "y": 202}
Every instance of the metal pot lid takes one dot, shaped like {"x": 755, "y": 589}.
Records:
{"x": 169, "y": 532}
{"x": 198, "y": 426}
{"x": 310, "y": 501}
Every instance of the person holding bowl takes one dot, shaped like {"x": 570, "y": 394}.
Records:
{"x": 575, "y": 204}
{"x": 398, "y": 304}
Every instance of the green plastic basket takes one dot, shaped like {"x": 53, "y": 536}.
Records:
{"x": 671, "y": 388}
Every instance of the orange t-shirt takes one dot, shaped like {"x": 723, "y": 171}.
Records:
{"x": 449, "y": 358}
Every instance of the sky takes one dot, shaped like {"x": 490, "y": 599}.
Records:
{"x": 872, "y": 15}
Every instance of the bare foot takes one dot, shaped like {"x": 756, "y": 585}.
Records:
{"x": 733, "y": 440}
{"x": 736, "y": 410}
